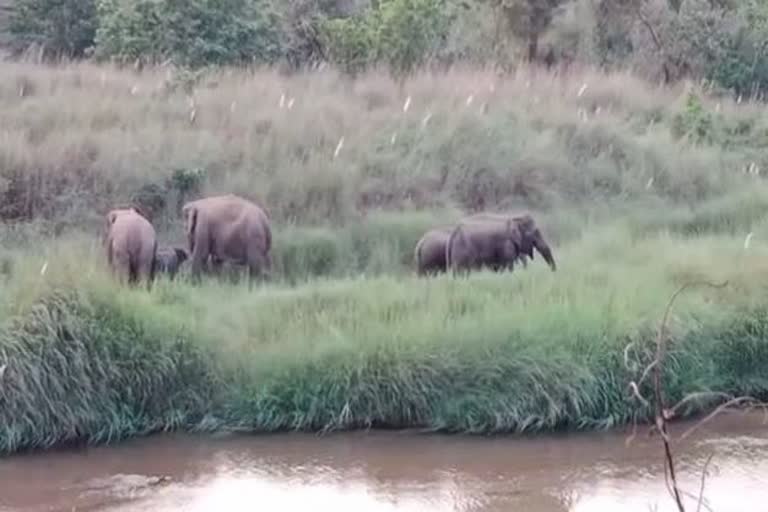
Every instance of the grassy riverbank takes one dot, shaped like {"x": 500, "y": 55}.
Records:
{"x": 530, "y": 351}
{"x": 638, "y": 190}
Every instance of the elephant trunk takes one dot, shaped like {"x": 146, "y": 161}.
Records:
{"x": 546, "y": 253}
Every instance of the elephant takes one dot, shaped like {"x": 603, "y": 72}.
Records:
{"x": 169, "y": 259}
{"x": 494, "y": 244}
{"x": 430, "y": 251}
{"x": 131, "y": 245}
{"x": 498, "y": 217}
{"x": 228, "y": 228}
{"x": 532, "y": 238}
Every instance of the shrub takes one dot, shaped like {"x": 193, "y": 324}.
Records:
{"x": 400, "y": 33}
{"x": 350, "y": 43}
{"x": 189, "y": 32}
{"x": 62, "y": 28}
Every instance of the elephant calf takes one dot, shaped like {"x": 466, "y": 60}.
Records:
{"x": 131, "y": 246}
{"x": 168, "y": 260}
{"x": 430, "y": 251}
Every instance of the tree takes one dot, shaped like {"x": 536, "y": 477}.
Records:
{"x": 528, "y": 20}
{"x": 62, "y": 28}
{"x": 407, "y": 31}
{"x": 301, "y": 23}
{"x": 400, "y": 33}
{"x": 191, "y": 32}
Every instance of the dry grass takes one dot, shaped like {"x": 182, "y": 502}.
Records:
{"x": 78, "y": 137}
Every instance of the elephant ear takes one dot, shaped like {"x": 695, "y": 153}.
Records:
{"x": 111, "y": 218}
{"x": 514, "y": 234}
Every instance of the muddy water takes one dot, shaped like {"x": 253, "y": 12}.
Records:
{"x": 393, "y": 472}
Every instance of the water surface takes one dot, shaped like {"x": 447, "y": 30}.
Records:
{"x": 382, "y": 472}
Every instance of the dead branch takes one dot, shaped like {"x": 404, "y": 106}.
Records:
{"x": 662, "y": 414}
{"x": 720, "y": 409}
{"x": 661, "y": 410}
{"x": 703, "y": 481}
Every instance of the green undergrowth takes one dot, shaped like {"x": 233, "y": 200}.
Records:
{"x": 529, "y": 351}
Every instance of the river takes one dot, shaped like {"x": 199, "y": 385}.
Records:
{"x": 384, "y": 471}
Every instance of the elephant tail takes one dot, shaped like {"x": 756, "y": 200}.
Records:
{"x": 455, "y": 234}
{"x": 268, "y": 238}
{"x": 417, "y": 255}
{"x": 153, "y": 266}
{"x": 110, "y": 253}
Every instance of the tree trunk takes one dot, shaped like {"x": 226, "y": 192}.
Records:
{"x": 533, "y": 46}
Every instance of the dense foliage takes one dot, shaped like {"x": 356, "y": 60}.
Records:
{"x": 725, "y": 41}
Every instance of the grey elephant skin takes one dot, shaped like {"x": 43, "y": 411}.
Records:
{"x": 228, "y": 229}
{"x": 169, "y": 260}
{"x": 430, "y": 251}
{"x": 131, "y": 246}
{"x": 533, "y": 239}
{"x": 494, "y": 244}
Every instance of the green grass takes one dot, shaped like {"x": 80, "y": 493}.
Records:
{"x": 528, "y": 351}
{"x": 346, "y": 336}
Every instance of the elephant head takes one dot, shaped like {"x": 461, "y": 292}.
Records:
{"x": 112, "y": 216}
{"x": 181, "y": 255}
{"x": 532, "y": 238}
{"x": 511, "y": 243}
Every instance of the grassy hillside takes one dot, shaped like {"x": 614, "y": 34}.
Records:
{"x": 5, "y": 10}
{"x": 639, "y": 189}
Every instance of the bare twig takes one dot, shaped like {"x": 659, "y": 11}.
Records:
{"x": 662, "y": 414}
{"x": 703, "y": 481}
{"x": 719, "y": 410}
{"x": 661, "y": 410}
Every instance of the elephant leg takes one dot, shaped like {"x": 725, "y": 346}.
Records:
{"x": 199, "y": 262}
{"x": 121, "y": 268}
{"x": 258, "y": 267}
{"x": 144, "y": 273}
{"x": 212, "y": 266}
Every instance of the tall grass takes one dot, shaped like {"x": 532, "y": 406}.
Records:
{"x": 528, "y": 351}
{"x": 346, "y": 336}
{"x": 78, "y": 138}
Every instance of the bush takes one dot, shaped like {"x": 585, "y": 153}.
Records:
{"x": 350, "y": 43}
{"x": 62, "y": 28}
{"x": 742, "y": 66}
{"x": 400, "y": 33}
{"x": 189, "y": 32}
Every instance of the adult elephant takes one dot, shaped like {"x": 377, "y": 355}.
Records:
{"x": 131, "y": 245}
{"x": 532, "y": 237}
{"x": 230, "y": 229}
{"x": 430, "y": 251}
{"x": 492, "y": 243}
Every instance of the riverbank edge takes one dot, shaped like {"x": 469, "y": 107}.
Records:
{"x": 80, "y": 373}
